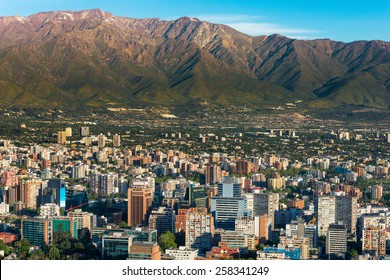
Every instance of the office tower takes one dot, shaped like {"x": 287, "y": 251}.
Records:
{"x": 199, "y": 229}
{"x": 229, "y": 205}
{"x": 61, "y": 137}
{"x": 101, "y": 141}
{"x": 84, "y": 131}
{"x": 140, "y": 202}
{"x": 28, "y": 192}
{"x": 116, "y": 140}
{"x": 213, "y": 174}
{"x": 266, "y": 204}
{"x": 37, "y": 231}
{"x": 116, "y": 245}
{"x": 336, "y": 239}
{"x": 163, "y": 220}
{"x": 59, "y": 188}
{"x": 335, "y": 209}
{"x": 68, "y": 132}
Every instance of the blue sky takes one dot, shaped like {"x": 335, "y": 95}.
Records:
{"x": 342, "y": 20}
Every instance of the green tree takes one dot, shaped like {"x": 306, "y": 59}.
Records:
{"x": 54, "y": 253}
{"x": 167, "y": 240}
{"x": 22, "y": 248}
{"x": 37, "y": 255}
{"x": 4, "y": 247}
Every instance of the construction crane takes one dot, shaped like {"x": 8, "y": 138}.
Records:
{"x": 71, "y": 208}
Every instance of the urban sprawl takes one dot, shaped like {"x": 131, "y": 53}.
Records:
{"x": 84, "y": 191}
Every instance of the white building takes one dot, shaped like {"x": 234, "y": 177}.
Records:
{"x": 182, "y": 253}
{"x": 49, "y": 210}
{"x": 4, "y": 208}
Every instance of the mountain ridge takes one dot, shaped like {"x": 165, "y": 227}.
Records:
{"x": 93, "y": 58}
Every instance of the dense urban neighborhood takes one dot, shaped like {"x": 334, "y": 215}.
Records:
{"x": 228, "y": 183}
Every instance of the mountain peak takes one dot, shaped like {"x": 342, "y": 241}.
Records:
{"x": 93, "y": 58}
{"x": 95, "y": 14}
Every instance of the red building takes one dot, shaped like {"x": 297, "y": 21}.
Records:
{"x": 8, "y": 237}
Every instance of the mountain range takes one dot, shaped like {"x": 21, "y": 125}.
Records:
{"x": 92, "y": 59}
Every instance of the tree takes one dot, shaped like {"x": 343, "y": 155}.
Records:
{"x": 167, "y": 240}
{"x": 54, "y": 253}
{"x": 4, "y": 247}
{"x": 37, "y": 254}
{"x": 22, "y": 248}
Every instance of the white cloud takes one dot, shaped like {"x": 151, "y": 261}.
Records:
{"x": 223, "y": 18}
{"x": 252, "y": 25}
{"x": 266, "y": 28}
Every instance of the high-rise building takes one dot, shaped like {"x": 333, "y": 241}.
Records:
{"x": 163, "y": 220}
{"x": 28, "y": 192}
{"x": 83, "y": 218}
{"x": 101, "y": 141}
{"x": 213, "y": 174}
{"x": 9, "y": 179}
{"x": 266, "y": 203}
{"x": 243, "y": 167}
{"x": 37, "y": 231}
{"x": 64, "y": 224}
{"x": 116, "y": 140}
{"x": 336, "y": 239}
{"x": 335, "y": 209}
{"x": 199, "y": 229}
{"x": 387, "y": 137}
{"x": 61, "y": 137}
{"x": 105, "y": 184}
{"x": 180, "y": 223}
{"x": 78, "y": 171}
{"x": 374, "y": 241}
{"x": 84, "y": 131}
{"x": 376, "y": 192}
{"x": 229, "y": 205}
{"x": 59, "y": 188}
{"x": 68, "y": 132}
{"x": 140, "y": 202}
